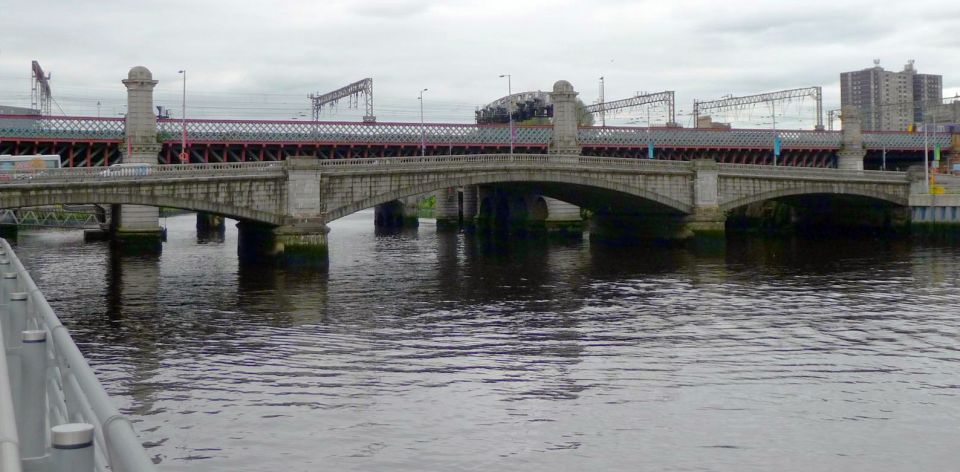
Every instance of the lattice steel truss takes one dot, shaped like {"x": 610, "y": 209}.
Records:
{"x": 67, "y": 129}
{"x": 353, "y": 92}
{"x": 665, "y": 97}
{"x": 40, "y": 96}
{"x": 739, "y": 103}
{"x": 52, "y": 218}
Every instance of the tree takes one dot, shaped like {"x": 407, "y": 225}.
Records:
{"x": 584, "y": 118}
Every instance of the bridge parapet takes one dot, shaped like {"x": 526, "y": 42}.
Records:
{"x": 77, "y": 175}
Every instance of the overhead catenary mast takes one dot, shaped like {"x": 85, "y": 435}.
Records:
{"x": 736, "y": 103}
{"x": 352, "y": 92}
{"x": 40, "y": 96}
{"x": 640, "y": 100}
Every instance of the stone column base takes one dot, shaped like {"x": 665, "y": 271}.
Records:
{"x": 706, "y": 223}
{"x": 397, "y": 214}
{"x": 297, "y": 245}
{"x": 447, "y": 209}
{"x": 208, "y": 222}
{"x": 138, "y": 242}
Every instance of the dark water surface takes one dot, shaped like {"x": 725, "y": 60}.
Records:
{"x": 427, "y": 352}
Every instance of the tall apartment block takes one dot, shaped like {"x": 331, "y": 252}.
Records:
{"x": 890, "y": 101}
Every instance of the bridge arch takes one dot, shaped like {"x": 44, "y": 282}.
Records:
{"x": 549, "y": 181}
{"x": 826, "y": 189}
{"x": 28, "y": 199}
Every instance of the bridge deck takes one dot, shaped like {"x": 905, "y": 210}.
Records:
{"x": 444, "y": 134}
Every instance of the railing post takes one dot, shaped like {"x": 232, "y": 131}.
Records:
{"x": 16, "y": 322}
{"x": 72, "y": 447}
{"x": 6, "y": 287}
{"x": 32, "y": 415}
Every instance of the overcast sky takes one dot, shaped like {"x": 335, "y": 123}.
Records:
{"x": 260, "y": 59}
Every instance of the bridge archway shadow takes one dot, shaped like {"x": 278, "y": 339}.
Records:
{"x": 820, "y": 215}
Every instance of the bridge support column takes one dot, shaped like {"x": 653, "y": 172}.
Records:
{"x": 302, "y": 238}
{"x": 850, "y": 156}
{"x": 706, "y": 220}
{"x": 403, "y": 213}
{"x": 303, "y": 244}
{"x": 486, "y": 205}
{"x": 447, "y": 209}
{"x": 471, "y": 194}
{"x": 565, "y": 138}
{"x": 210, "y": 223}
{"x": 550, "y": 216}
{"x": 138, "y": 229}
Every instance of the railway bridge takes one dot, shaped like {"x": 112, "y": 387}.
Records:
{"x": 284, "y": 206}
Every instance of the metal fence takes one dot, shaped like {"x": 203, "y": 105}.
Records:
{"x": 452, "y": 134}
{"x": 54, "y": 413}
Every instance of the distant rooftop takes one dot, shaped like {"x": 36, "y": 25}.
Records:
{"x": 9, "y": 110}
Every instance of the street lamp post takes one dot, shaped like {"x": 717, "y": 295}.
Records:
{"x": 423, "y": 136}
{"x": 926, "y": 157}
{"x": 184, "y": 157}
{"x": 773, "y": 117}
{"x": 509, "y": 107}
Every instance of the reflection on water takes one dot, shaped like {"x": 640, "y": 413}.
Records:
{"x": 425, "y": 351}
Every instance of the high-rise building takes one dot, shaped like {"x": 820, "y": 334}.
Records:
{"x": 890, "y": 101}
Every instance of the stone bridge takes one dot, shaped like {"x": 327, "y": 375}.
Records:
{"x": 291, "y": 202}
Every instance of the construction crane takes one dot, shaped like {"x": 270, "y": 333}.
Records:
{"x": 639, "y": 100}
{"x": 40, "y": 97}
{"x": 737, "y": 103}
{"x": 352, "y": 92}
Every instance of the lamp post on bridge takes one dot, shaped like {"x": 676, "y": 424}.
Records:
{"x": 926, "y": 157}
{"x": 423, "y": 136}
{"x": 776, "y": 143}
{"x": 509, "y": 108}
{"x": 184, "y": 157}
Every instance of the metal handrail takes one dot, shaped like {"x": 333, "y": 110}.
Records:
{"x": 117, "y": 447}
{"x": 9, "y": 442}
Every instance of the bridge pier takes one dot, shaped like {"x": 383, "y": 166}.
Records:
{"x": 523, "y": 212}
{"x": 402, "y": 213}
{"x": 850, "y": 155}
{"x": 211, "y": 227}
{"x": 303, "y": 244}
{"x": 471, "y": 194}
{"x": 706, "y": 220}
{"x": 137, "y": 228}
{"x": 447, "y": 209}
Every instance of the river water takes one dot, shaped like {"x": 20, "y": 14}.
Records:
{"x": 420, "y": 351}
